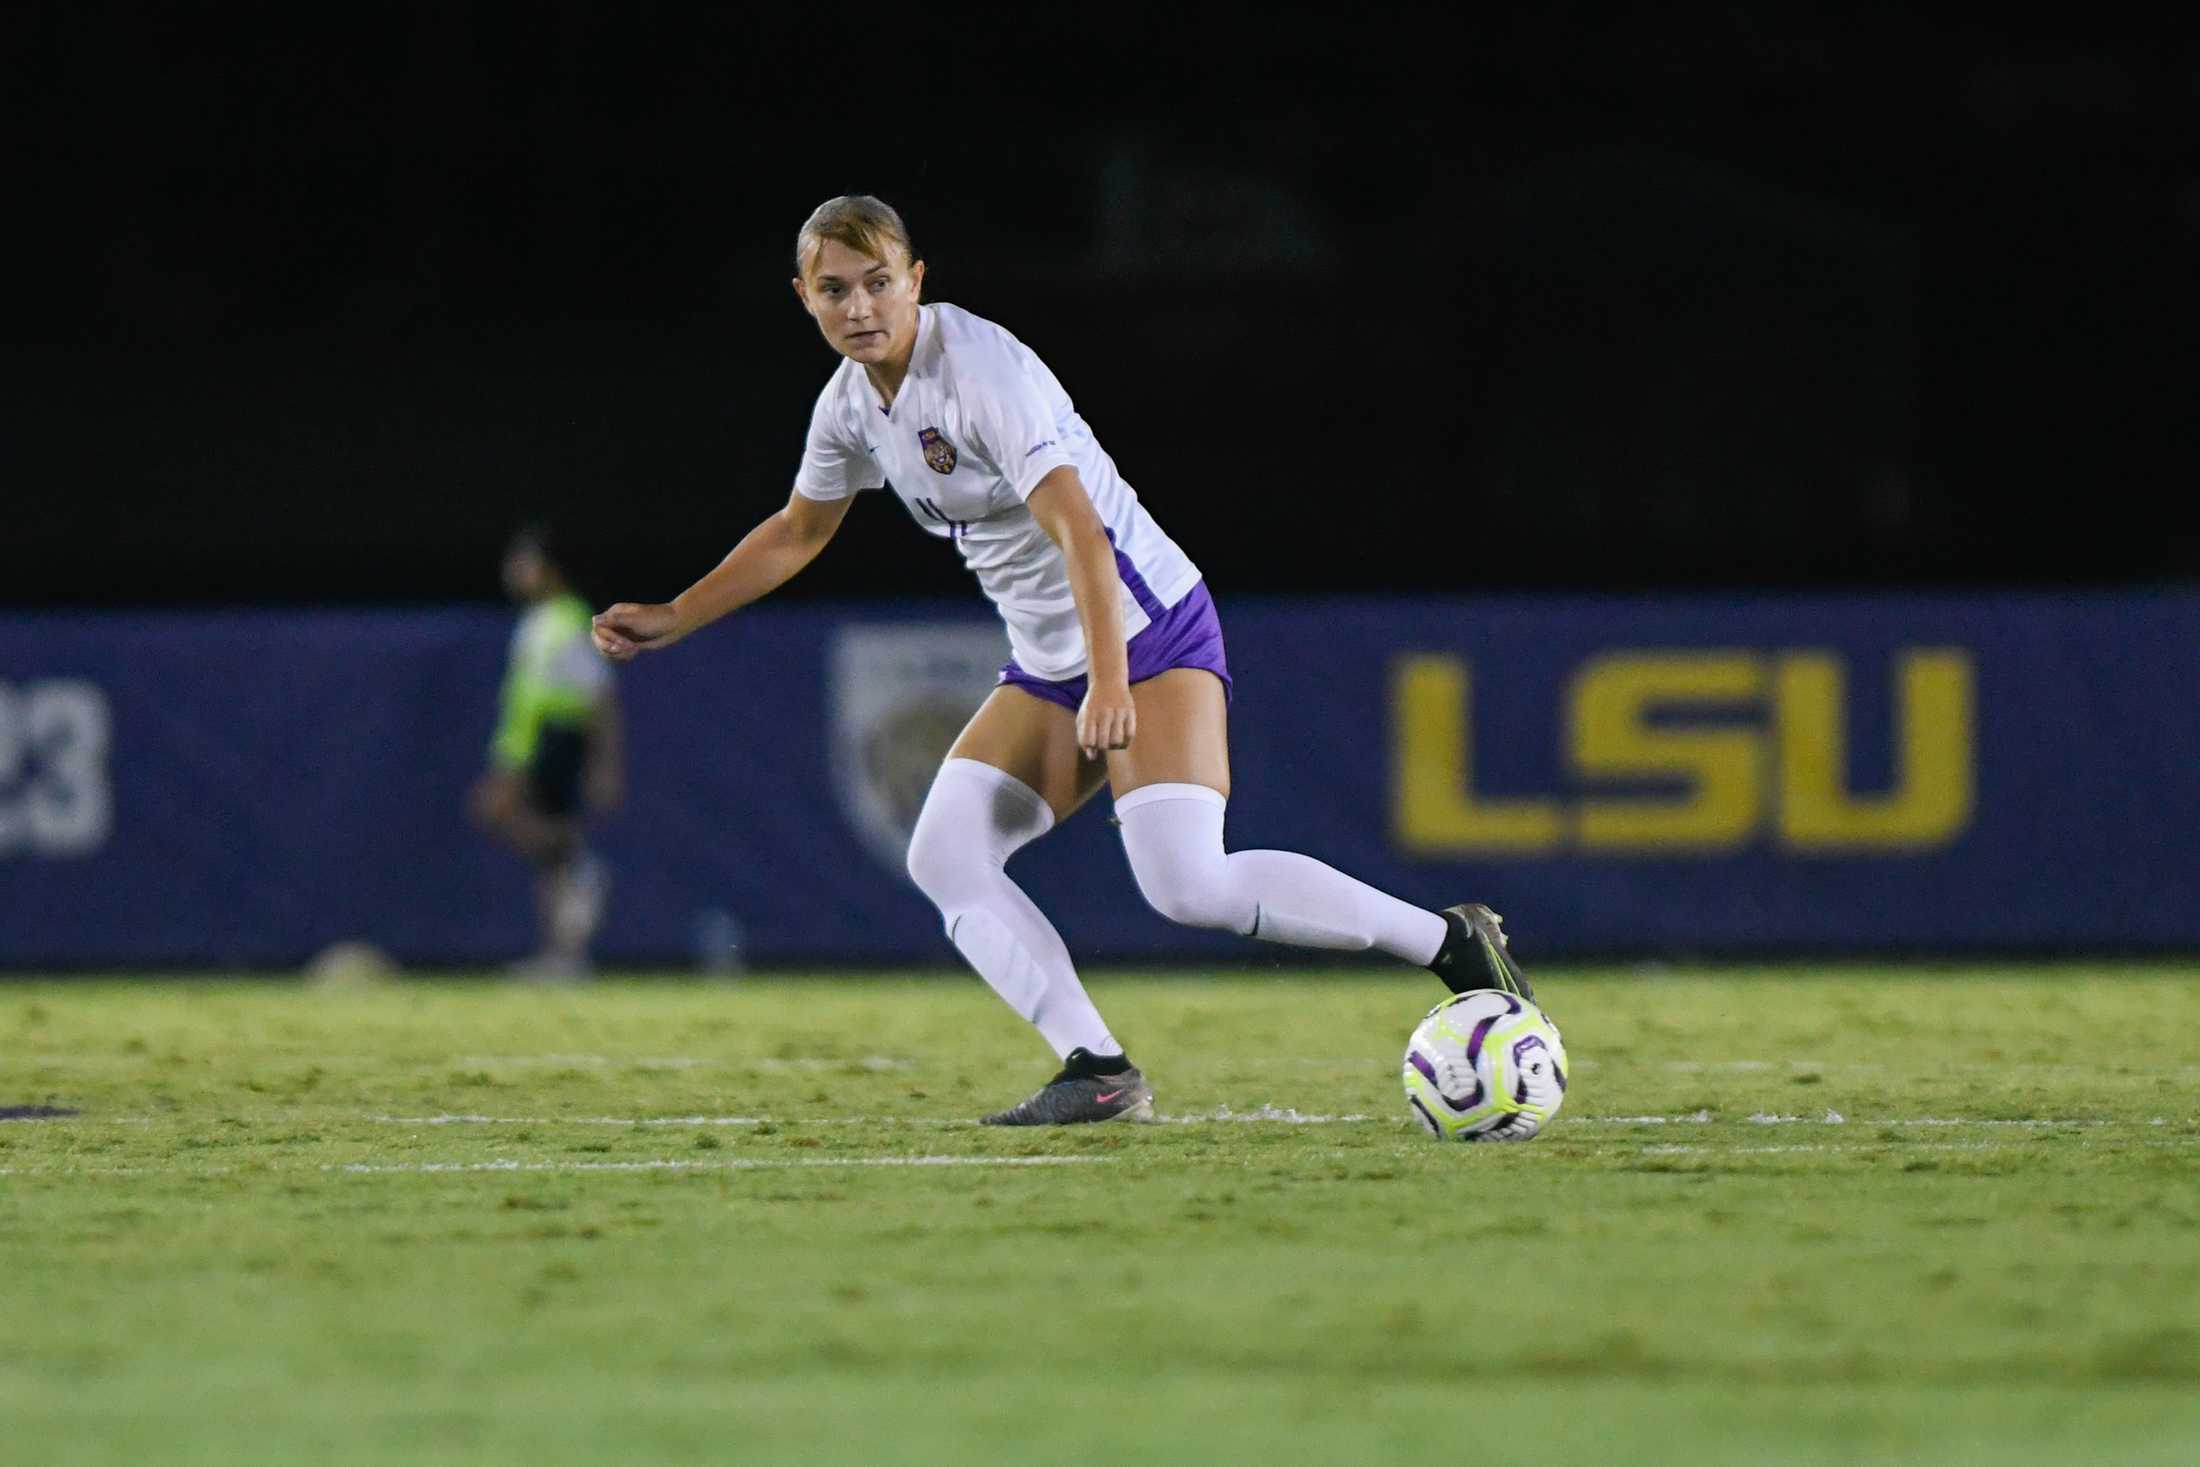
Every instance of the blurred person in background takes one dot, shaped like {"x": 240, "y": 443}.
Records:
{"x": 556, "y": 756}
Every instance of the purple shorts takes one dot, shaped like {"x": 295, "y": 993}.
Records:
{"x": 1188, "y": 634}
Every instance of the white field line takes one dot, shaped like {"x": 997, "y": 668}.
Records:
{"x": 731, "y": 1164}
{"x": 1693, "y": 1118}
{"x": 1759, "y": 1066}
{"x": 1835, "y": 1118}
{"x": 880, "y": 1063}
{"x": 1268, "y": 1114}
{"x": 1259, "y": 1115}
{"x": 686, "y": 1061}
{"x": 1264, "y": 1114}
{"x": 770, "y": 1063}
{"x": 483, "y": 1120}
{"x": 739, "y": 1164}
{"x": 1819, "y": 1147}
{"x": 1220, "y": 1115}
{"x": 1905, "y": 1148}
{"x": 423, "y": 1168}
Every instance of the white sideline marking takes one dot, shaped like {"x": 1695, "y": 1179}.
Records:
{"x": 743, "y": 1164}
{"x": 1835, "y": 1118}
{"x": 1283, "y": 1115}
{"x": 1757, "y": 1066}
{"x": 481, "y": 1120}
{"x": 775, "y": 1063}
{"x": 1903, "y": 1148}
{"x": 1263, "y": 1114}
{"x": 1693, "y": 1118}
{"x": 884, "y": 1062}
{"x": 113, "y": 1171}
{"x": 1260, "y": 1115}
{"x": 730, "y": 1164}
{"x": 689, "y": 1061}
{"x": 1818, "y": 1147}
{"x": 2035, "y": 1121}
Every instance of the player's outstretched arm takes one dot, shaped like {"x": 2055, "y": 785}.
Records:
{"x": 767, "y": 558}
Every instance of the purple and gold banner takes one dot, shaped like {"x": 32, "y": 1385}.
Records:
{"x": 1684, "y": 775}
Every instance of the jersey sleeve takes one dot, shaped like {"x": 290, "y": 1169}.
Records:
{"x": 1016, "y": 425}
{"x": 835, "y": 464}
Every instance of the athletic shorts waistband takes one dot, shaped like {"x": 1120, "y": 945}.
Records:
{"x": 1188, "y": 634}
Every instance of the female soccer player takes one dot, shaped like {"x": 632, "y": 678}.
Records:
{"x": 1117, "y": 672}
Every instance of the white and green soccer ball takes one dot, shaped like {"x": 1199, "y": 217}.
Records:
{"x": 1485, "y": 1066}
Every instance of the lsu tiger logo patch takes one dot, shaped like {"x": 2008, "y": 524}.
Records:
{"x": 939, "y": 454}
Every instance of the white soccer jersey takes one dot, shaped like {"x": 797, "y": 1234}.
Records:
{"x": 979, "y": 421}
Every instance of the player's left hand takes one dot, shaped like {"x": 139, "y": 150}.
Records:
{"x": 1107, "y": 720}
{"x": 632, "y": 627}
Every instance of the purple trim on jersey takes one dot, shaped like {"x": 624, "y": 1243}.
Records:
{"x": 1140, "y": 591}
{"x": 1188, "y": 634}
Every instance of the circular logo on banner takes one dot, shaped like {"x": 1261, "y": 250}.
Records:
{"x": 900, "y": 692}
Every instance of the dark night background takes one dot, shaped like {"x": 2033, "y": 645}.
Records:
{"x": 316, "y": 304}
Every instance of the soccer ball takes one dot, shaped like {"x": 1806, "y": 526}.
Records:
{"x": 1485, "y": 1066}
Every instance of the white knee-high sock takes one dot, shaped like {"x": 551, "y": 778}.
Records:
{"x": 1173, "y": 836}
{"x": 973, "y": 820}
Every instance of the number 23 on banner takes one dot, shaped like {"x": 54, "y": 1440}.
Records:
{"x": 55, "y": 799}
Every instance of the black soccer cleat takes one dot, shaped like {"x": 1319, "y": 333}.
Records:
{"x": 1476, "y": 955}
{"x": 1090, "y": 1088}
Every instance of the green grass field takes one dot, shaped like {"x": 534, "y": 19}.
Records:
{"x": 1786, "y": 1217}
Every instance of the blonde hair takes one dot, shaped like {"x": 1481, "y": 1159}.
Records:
{"x": 867, "y": 225}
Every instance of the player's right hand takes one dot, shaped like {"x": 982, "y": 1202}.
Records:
{"x": 633, "y": 626}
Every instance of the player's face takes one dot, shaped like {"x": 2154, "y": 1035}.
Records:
{"x": 523, "y": 572}
{"x": 866, "y": 308}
